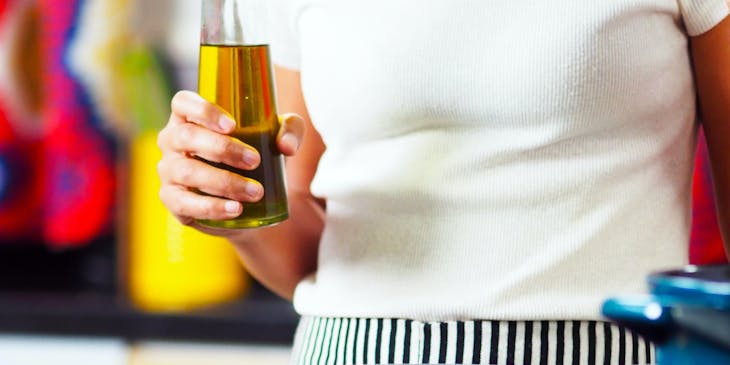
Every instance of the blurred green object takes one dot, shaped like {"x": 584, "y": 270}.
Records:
{"x": 147, "y": 88}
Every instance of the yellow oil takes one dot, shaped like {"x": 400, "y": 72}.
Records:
{"x": 239, "y": 80}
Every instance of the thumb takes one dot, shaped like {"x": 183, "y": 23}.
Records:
{"x": 291, "y": 133}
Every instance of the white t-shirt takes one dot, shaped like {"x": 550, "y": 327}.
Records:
{"x": 495, "y": 159}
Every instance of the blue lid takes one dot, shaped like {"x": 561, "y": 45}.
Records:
{"x": 707, "y": 286}
{"x": 646, "y": 315}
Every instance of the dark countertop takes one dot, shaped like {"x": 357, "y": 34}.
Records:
{"x": 76, "y": 293}
{"x": 260, "y": 318}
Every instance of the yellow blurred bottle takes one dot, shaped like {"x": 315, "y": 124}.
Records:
{"x": 173, "y": 267}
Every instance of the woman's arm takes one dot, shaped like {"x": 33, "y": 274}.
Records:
{"x": 711, "y": 59}
{"x": 278, "y": 256}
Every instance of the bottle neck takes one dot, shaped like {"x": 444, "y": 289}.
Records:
{"x": 234, "y": 22}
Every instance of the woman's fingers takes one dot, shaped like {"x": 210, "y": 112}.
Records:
{"x": 190, "y": 109}
{"x": 192, "y": 139}
{"x": 188, "y": 106}
{"x": 196, "y": 144}
{"x": 192, "y": 173}
{"x": 291, "y": 133}
{"x": 187, "y": 206}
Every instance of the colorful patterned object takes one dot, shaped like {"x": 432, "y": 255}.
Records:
{"x": 21, "y": 189}
{"x": 104, "y": 38}
{"x": 21, "y": 147}
{"x": 80, "y": 158}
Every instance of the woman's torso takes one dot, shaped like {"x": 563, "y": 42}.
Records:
{"x": 494, "y": 159}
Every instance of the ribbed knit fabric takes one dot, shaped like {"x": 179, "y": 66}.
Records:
{"x": 701, "y": 15}
{"x": 495, "y": 159}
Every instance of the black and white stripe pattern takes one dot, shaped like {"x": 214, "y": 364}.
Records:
{"x": 339, "y": 341}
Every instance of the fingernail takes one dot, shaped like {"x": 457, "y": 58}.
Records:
{"x": 251, "y": 158}
{"x": 226, "y": 123}
{"x": 233, "y": 207}
{"x": 253, "y": 190}
{"x": 291, "y": 140}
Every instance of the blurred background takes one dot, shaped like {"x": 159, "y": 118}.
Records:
{"x": 93, "y": 270}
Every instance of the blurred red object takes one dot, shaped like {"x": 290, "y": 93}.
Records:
{"x": 706, "y": 242}
{"x": 21, "y": 146}
{"x": 21, "y": 185}
{"x": 79, "y": 156}
{"x": 57, "y": 166}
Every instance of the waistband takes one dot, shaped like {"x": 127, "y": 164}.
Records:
{"x": 326, "y": 340}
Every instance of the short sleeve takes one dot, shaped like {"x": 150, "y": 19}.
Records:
{"x": 284, "y": 41}
{"x": 702, "y": 15}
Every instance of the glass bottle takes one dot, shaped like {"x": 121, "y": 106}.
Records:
{"x": 236, "y": 74}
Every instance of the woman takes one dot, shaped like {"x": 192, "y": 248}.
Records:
{"x": 493, "y": 170}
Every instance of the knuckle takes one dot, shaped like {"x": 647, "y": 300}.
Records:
{"x": 228, "y": 182}
{"x": 160, "y": 168}
{"x": 224, "y": 146}
{"x": 161, "y": 195}
{"x": 184, "y": 173}
{"x": 185, "y": 134}
{"x": 235, "y": 187}
{"x": 180, "y": 94}
{"x": 177, "y": 99}
{"x": 185, "y": 207}
{"x": 167, "y": 200}
{"x": 162, "y": 138}
{"x": 206, "y": 110}
{"x": 208, "y": 208}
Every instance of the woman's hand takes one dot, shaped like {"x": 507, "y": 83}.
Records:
{"x": 198, "y": 128}
{"x": 278, "y": 256}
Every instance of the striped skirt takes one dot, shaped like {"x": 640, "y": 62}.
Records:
{"x": 334, "y": 341}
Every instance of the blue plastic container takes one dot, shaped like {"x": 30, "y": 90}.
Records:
{"x": 687, "y": 315}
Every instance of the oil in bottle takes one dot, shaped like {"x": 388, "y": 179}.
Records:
{"x": 239, "y": 80}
